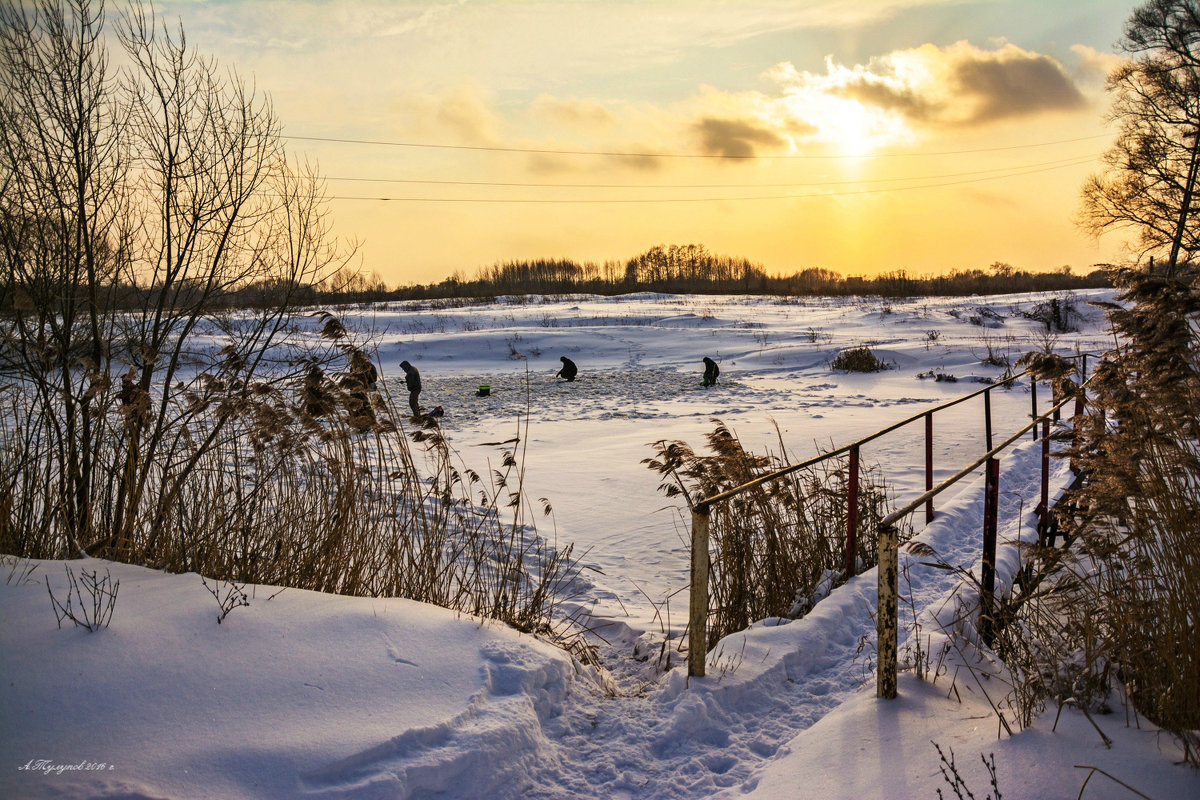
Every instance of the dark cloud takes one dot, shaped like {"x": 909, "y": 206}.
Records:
{"x": 559, "y": 164}
{"x": 959, "y": 85}
{"x": 905, "y": 100}
{"x": 639, "y": 163}
{"x": 1017, "y": 85}
{"x": 736, "y": 137}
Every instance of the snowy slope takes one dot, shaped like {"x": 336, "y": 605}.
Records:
{"x": 307, "y": 695}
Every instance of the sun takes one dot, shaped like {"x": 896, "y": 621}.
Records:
{"x": 850, "y": 128}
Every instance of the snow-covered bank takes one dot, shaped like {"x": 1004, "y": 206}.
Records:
{"x": 282, "y": 696}
{"x": 308, "y": 695}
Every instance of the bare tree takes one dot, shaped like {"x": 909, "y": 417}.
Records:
{"x": 62, "y": 172}
{"x": 135, "y": 206}
{"x": 1149, "y": 186}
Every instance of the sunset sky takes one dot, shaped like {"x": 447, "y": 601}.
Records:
{"x": 856, "y": 135}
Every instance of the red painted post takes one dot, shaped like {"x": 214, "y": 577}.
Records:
{"x": 1033, "y": 416}
{"x": 852, "y": 514}
{"x": 987, "y": 417}
{"x": 1044, "y": 507}
{"x": 929, "y": 465}
{"x": 988, "y": 573}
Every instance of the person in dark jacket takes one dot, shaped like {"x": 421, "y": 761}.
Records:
{"x": 711, "y": 371}
{"x": 569, "y": 370}
{"x": 412, "y": 379}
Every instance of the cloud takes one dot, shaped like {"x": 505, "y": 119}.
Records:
{"x": 556, "y": 164}
{"x": 959, "y": 85}
{"x": 463, "y": 114}
{"x": 572, "y": 112}
{"x": 736, "y": 137}
{"x": 1094, "y": 65}
{"x": 1011, "y": 82}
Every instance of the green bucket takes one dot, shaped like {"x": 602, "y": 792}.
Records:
{"x": 484, "y": 391}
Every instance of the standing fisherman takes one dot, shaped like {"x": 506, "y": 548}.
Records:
{"x": 711, "y": 371}
{"x": 412, "y": 379}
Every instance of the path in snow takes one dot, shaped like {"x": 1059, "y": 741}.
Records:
{"x": 703, "y": 737}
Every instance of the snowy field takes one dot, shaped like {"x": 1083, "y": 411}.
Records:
{"x": 304, "y": 695}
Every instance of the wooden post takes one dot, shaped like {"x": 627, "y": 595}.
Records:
{"x": 887, "y": 613}
{"x": 698, "y": 603}
{"x": 987, "y": 417}
{"x": 852, "y": 514}
{"x": 988, "y": 573}
{"x": 929, "y": 465}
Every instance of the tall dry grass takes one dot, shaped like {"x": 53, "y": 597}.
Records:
{"x": 1134, "y": 525}
{"x": 777, "y": 548}
{"x": 341, "y": 500}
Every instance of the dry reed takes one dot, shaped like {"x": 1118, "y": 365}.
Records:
{"x": 256, "y": 489}
{"x": 777, "y": 548}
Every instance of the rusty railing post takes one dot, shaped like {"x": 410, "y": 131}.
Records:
{"x": 988, "y": 573}
{"x": 887, "y": 613}
{"x": 929, "y": 466}
{"x": 698, "y": 602}
{"x": 1044, "y": 506}
{"x": 987, "y": 417}
{"x": 1033, "y": 398}
{"x": 852, "y": 514}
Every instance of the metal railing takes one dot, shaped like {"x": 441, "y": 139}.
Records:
{"x": 887, "y": 617}
{"x": 701, "y": 509}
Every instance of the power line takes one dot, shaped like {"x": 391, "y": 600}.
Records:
{"x": 619, "y": 154}
{"x": 515, "y": 184}
{"x": 1075, "y": 163}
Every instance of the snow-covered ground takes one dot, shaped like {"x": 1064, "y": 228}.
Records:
{"x": 308, "y": 695}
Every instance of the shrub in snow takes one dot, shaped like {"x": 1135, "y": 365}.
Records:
{"x": 985, "y": 317}
{"x": 90, "y": 599}
{"x": 229, "y": 595}
{"x": 858, "y": 359}
{"x": 1058, "y": 314}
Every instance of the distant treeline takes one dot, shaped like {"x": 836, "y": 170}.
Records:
{"x": 691, "y": 269}
{"x": 677, "y": 269}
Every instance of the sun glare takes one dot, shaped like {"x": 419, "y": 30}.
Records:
{"x": 846, "y": 128}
